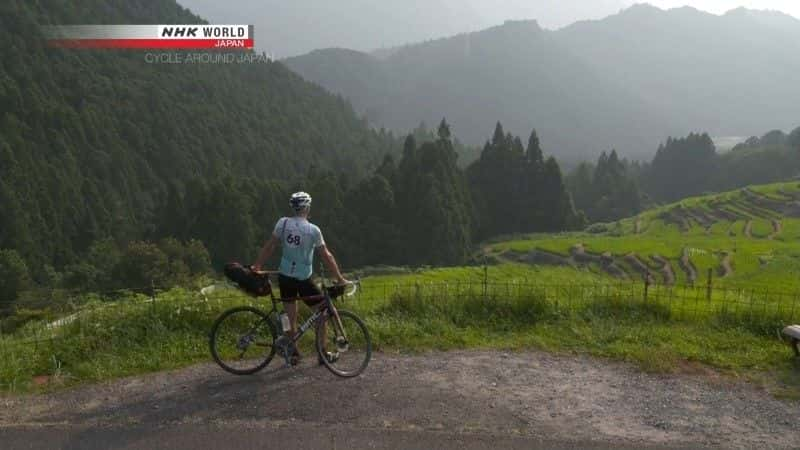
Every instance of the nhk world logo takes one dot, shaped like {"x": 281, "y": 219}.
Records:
{"x": 151, "y": 37}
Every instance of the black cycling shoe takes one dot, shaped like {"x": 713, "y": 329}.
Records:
{"x": 331, "y": 357}
{"x": 295, "y": 358}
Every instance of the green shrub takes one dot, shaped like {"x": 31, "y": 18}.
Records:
{"x": 471, "y": 308}
{"x": 14, "y": 277}
{"x": 597, "y": 228}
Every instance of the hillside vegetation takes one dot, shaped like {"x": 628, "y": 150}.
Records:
{"x": 507, "y": 306}
{"x": 93, "y": 142}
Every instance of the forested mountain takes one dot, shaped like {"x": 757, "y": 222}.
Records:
{"x": 92, "y": 142}
{"x": 300, "y": 26}
{"x": 358, "y": 24}
{"x": 730, "y": 75}
{"x": 115, "y": 173}
{"x": 623, "y": 82}
{"x": 517, "y": 73}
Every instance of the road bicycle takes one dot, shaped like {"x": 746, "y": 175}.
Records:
{"x": 245, "y": 339}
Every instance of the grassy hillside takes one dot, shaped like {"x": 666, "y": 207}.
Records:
{"x": 747, "y": 238}
{"x": 521, "y": 307}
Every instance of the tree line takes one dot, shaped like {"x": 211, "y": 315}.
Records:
{"x": 419, "y": 209}
{"x": 613, "y": 188}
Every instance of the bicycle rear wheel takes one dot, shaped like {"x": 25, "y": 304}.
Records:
{"x": 242, "y": 340}
{"x": 344, "y": 345}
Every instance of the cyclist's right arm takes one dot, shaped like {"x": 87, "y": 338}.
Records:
{"x": 269, "y": 247}
{"x": 266, "y": 251}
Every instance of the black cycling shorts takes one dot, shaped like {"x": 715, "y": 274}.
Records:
{"x": 291, "y": 288}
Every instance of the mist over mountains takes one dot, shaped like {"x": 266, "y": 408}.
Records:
{"x": 288, "y": 29}
{"x": 627, "y": 81}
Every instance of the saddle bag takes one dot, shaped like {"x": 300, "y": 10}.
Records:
{"x": 255, "y": 284}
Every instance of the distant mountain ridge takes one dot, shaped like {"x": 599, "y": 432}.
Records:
{"x": 627, "y": 81}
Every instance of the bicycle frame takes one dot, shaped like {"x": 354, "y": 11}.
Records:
{"x": 325, "y": 308}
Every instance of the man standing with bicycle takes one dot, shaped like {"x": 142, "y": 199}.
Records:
{"x": 299, "y": 238}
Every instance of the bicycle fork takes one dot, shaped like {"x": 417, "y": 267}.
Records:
{"x": 342, "y": 344}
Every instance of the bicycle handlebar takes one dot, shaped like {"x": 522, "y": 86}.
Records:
{"x": 355, "y": 286}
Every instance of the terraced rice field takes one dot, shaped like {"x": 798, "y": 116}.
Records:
{"x": 744, "y": 238}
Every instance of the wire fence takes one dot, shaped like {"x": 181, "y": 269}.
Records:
{"x": 57, "y": 315}
{"x": 676, "y": 302}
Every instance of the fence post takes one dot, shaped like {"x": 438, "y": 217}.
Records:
{"x": 152, "y": 295}
{"x": 646, "y": 284}
{"x": 485, "y": 282}
{"x": 710, "y": 283}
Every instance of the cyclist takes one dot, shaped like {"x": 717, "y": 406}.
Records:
{"x": 299, "y": 239}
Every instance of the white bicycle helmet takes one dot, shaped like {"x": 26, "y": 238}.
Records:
{"x": 300, "y": 201}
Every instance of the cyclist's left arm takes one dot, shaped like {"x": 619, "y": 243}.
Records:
{"x": 327, "y": 257}
{"x": 330, "y": 263}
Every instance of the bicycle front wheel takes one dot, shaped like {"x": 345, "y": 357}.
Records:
{"x": 343, "y": 344}
{"x": 242, "y": 340}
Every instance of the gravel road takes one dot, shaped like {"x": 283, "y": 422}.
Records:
{"x": 456, "y": 400}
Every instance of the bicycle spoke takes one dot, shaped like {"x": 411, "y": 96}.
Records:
{"x": 241, "y": 340}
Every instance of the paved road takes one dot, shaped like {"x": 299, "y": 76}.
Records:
{"x": 264, "y": 436}
{"x": 459, "y": 400}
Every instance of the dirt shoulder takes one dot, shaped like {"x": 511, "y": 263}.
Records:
{"x": 530, "y": 396}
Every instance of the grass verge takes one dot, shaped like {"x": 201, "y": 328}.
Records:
{"x": 135, "y": 335}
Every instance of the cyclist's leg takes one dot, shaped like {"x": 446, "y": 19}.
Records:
{"x": 307, "y": 288}
{"x": 289, "y": 289}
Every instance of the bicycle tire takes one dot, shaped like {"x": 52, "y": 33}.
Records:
{"x": 354, "y": 324}
{"x": 260, "y": 320}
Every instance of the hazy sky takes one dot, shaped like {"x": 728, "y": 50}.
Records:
{"x": 791, "y": 7}
{"x": 287, "y": 28}
{"x": 558, "y": 13}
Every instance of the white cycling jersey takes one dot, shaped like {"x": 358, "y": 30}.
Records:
{"x": 299, "y": 238}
